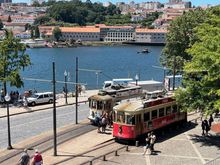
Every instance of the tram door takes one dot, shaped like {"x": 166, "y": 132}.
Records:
{"x": 139, "y": 124}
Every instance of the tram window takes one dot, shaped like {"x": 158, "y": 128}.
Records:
{"x": 174, "y": 109}
{"x": 161, "y": 112}
{"x": 146, "y": 116}
{"x": 114, "y": 116}
{"x": 138, "y": 118}
{"x": 99, "y": 105}
{"x": 120, "y": 117}
{"x": 168, "y": 110}
{"x": 154, "y": 114}
{"x": 93, "y": 104}
{"x": 130, "y": 119}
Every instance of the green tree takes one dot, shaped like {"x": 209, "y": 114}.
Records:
{"x": 12, "y": 59}
{"x": 1, "y": 25}
{"x": 36, "y": 32}
{"x": 202, "y": 82}
{"x": 42, "y": 20}
{"x": 180, "y": 37}
{"x": 9, "y": 19}
{"x": 57, "y": 33}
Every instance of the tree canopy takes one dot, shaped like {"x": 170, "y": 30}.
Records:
{"x": 81, "y": 12}
{"x": 12, "y": 59}
{"x": 201, "y": 63}
{"x": 57, "y": 33}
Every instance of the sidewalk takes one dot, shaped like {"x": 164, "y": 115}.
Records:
{"x": 59, "y": 102}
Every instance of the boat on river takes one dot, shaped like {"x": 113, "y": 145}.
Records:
{"x": 144, "y": 51}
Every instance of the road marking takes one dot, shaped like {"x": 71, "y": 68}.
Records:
{"x": 196, "y": 150}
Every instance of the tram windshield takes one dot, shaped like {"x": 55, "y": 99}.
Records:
{"x": 130, "y": 119}
{"x": 120, "y": 117}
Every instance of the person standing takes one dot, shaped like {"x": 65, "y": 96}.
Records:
{"x": 203, "y": 127}
{"x": 25, "y": 158}
{"x": 147, "y": 143}
{"x": 37, "y": 159}
{"x": 207, "y": 128}
{"x": 104, "y": 123}
{"x": 152, "y": 142}
{"x": 210, "y": 121}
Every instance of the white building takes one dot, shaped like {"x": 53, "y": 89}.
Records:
{"x": 153, "y": 36}
{"x": 178, "y": 5}
{"x": 80, "y": 33}
{"x": 117, "y": 33}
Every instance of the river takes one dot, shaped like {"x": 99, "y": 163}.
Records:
{"x": 113, "y": 61}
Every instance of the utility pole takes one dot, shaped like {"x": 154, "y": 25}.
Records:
{"x": 54, "y": 113}
{"x": 174, "y": 71}
{"x": 76, "y": 86}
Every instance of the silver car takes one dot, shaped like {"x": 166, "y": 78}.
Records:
{"x": 40, "y": 98}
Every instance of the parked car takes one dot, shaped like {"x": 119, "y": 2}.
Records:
{"x": 40, "y": 98}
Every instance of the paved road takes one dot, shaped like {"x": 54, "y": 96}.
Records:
{"x": 31, "y": 124}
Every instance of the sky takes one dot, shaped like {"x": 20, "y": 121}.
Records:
{"x": 194, "y": 2}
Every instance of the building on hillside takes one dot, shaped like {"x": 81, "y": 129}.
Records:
{"x": 22, "y": 35}
{"x": 15, "y": 26}
{"x": 136, "y": 18}
{"x": 150, "y": 36}
{"x": 178, "y": 5}
{"x": 80, "y": 33}
{"x": 23, "y": 19}
{"x": 116, "y": 33}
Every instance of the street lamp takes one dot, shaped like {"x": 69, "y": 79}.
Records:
{"x": 7, "y": 99}
{"x": 65, "y": 77}
{"x": 136, "y": 79}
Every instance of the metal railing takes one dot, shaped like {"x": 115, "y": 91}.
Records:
{"x": 103, "y": 157}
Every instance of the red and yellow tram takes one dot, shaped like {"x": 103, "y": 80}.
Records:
{"x": 133, "y": 119}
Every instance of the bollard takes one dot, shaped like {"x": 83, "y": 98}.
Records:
{"x": 116, "y": 153}
{"x": 90, "y": 162}
{"x": 127, "y": 148}
{"x": 137, "y": 143}
{"x": 104, "y": 158}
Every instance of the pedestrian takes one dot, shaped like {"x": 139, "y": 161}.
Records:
{"x": 207, "y": 128}
{"x": 152, "y": 142}
{"x": 37, "y": 159}
{"x": 98, "y": 121}
{"x": 25, "y": 158}
{"x": 104, "y": 123}
{"x": 210, "y": 121}
{"x": 203, "y": 127}
{"x": 147, "y": 143}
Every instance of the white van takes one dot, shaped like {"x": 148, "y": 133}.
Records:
{"x": 39, "y": 98}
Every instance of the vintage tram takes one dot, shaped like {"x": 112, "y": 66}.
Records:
{"x": 135, "y": 118}
{"x": 105, "y": 100}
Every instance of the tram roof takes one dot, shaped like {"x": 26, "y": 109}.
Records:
{"x": 130, "y": 106}
{"x": 136, "y": 105}
{"x": 101, "y": 97}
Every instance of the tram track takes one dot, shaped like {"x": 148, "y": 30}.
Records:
{"x": 46, "y": 143}
{"x": 92, "y": 154}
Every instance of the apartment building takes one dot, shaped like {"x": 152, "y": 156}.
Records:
{"x": 116, "y": 33}
{"x": 151, "y": 36}
{"x": 90, "y": 33}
